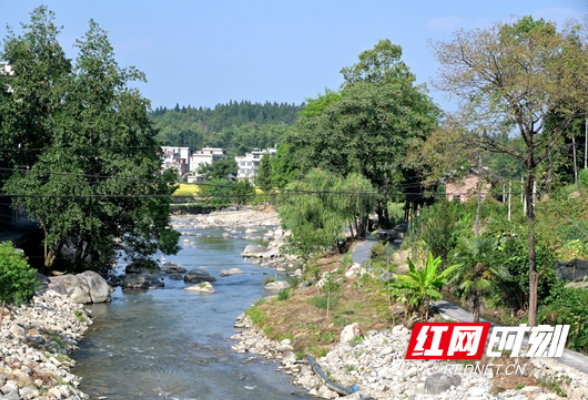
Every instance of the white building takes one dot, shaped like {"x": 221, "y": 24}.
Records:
{"x": 207, "y": 155}
{"x": 177, "y": 158}
{"x": 250, "y": 162}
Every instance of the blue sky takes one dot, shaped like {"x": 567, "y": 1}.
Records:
{"x": 208, "y": 52}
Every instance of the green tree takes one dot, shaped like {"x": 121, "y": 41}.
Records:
{"x": 95, "y": 185}
{"x": 17, "y": 279}
{"x": 510, "y": 78}
{"x": 420, "y": 286}
{"x": 477, "y": 272}
{"x": 264, "y": 177}
{"x": 312, "y": 212}
{"x": 285, "y": 167}
{"x": 220, "y": 169}
{"x": 39, "y": 68}
{"x": 356, "y": 201}
{"x": 330, "y": 287}
{"x": 367, "y": 127}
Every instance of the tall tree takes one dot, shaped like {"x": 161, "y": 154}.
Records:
{"x": 95, "y": 186}
{"x": 367, "y": 126}
{"x": 264, "y": 178}
{"x": 510, "y": 78}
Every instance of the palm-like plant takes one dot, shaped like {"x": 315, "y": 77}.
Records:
{"x": 477, "y": 271}
{"x": 419, "y": 287}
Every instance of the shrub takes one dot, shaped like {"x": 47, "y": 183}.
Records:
{"x": 293, "y": 281}
{"x": 583, "y": 178}
{"x": 17, "y": 279}
{"x": 378, "y": 250}
{"x": 567, "y": 306}
{"x": 284, "y": 294}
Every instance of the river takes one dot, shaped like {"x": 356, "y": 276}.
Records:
{"x": 170, "y": 343}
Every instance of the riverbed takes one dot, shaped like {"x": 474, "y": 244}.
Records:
{"x": 170, "y": 343}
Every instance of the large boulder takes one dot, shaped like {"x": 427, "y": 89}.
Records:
{"x": 197, "y": 276}
{"x": 439, "y": 382}
{"x": 253, "y": 250}
{"x": 141, "y": 281}
{"x": 229, "y": 272}
{"x": 87, "y": 287}
{"x": 350, "y": 332}
{"x": 204, "y": 287}
{"x": 277, "y": 286}
{"x": 171, "y": 268}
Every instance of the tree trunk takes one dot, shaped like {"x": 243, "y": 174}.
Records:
{"x": 79, "y": 251}
{"x": 476, "y": 314}
{"x": 51, "y": 256}
{"x": 533, "y": 274}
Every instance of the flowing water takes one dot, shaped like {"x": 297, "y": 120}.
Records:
{"x": 170, "y": 343}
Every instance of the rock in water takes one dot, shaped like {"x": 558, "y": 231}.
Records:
{"x": 439, "y": 383}
{"x": 141, "y": 281}
{"x": 173, "y": 269}
{"x": 278, "y": 285}
{"x": 229, "y": 272}
{"x": 197, "y": 276}
{"x": 87, "y": 287}
{"x": 256, "y": 251}
{"x": 204, "y": 287}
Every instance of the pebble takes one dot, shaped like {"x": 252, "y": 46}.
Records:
{"x": 34, "y": 341}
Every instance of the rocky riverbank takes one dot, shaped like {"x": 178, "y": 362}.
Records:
{"x": 35, "y": 341}
{"x": 232, "y": 217}
{"x": 375, "y": 362}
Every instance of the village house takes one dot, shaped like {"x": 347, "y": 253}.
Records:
{"x": 250, "y": 162}
{"x": 176, "y": 158}
{"x": 465, "y": 188}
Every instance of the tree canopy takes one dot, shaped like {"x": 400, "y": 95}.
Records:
{"x": 89, "y": 169}
{"x": 509, "y": 79}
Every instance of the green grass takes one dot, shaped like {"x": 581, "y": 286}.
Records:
{"x": 284, "y": 294}
{"x": 57, "y": 339}
{"x": 80, "y": 315}
{"x": 256, "y": 315}
{"x": 321, "y": 302}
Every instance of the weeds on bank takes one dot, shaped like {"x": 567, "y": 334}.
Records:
{"x": 80, "y": 316}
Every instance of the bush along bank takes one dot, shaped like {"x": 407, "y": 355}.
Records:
{"x": 35, "y": 342}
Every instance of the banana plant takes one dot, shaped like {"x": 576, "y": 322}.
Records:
{"x": 419, "y": 286}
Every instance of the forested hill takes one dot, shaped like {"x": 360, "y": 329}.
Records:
{"x": 237, "y": 126}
